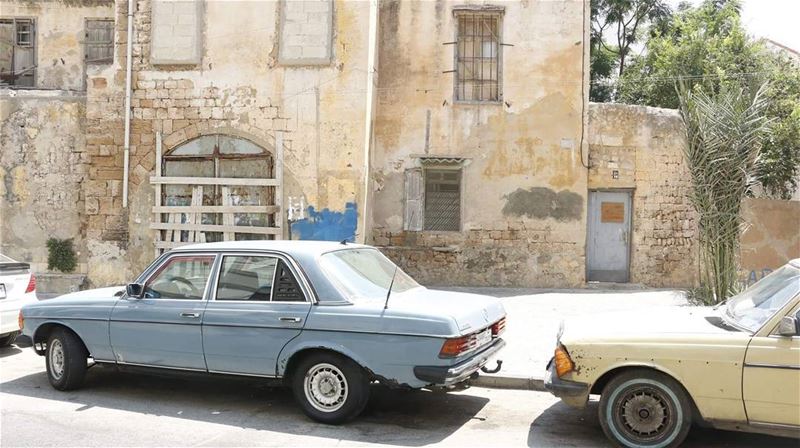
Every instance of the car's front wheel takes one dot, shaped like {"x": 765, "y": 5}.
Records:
{"x": 645, "y": 409}
{"x": 8, "y": 339}
{"x": 330, "y": 388}
{"x": 65, "y": 359}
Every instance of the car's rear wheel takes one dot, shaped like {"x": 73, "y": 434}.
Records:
{"x": 8, "y": 339}
{"x": 330, "y": 388}
{"x": 66, "y": 360}
{"x": 644, "y": 408}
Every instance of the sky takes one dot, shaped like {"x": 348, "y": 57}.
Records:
{"x": 773, "y": 19}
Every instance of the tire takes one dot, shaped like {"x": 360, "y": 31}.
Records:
{"x": 66, "y": 359}
{"x": 330, "y": 388}
{"x": 8, "y": 339}
{"x": 644, "y": 408}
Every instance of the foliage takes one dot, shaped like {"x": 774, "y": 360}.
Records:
{"x": 61, "y": 255}
{"x": 725, "y": 132}
{"x": 709, "y": 46}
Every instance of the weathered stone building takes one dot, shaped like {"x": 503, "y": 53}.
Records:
{"x": 455, "y": 135}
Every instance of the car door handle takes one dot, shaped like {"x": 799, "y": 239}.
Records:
{"x": 296, "y": 320}
{"x": 191, "y": 315}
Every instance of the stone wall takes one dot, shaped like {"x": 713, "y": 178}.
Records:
{"x": 642, "y": 147}
{"x": 523, "y": 187}
{"x": 43, "y": 163}
{"x": 60, "y": 33}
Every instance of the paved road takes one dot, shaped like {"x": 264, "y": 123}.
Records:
{"x": 117, "y": 409}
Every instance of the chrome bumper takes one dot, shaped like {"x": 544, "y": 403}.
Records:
{"x": 450, "y": 375}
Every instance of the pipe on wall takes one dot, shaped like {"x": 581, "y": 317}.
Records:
{"x": 372, "y": 43}
{"x": 128, "y": 68}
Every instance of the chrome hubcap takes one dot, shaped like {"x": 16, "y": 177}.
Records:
{"x": 645, "y": 413}
{"x": 325, "y": 387}
{"x": 56, "y": 359}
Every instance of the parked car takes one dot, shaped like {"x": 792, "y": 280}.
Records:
{"x": 17, "y": 288}
{"x": 327, "y": 318}
{"x": 735, "y": 366}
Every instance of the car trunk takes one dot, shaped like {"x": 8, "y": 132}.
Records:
{"x": 471, "y": 312}
{"x": 14, "y": 277}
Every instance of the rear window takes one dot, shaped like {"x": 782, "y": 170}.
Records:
{"x": 4, "y": 259}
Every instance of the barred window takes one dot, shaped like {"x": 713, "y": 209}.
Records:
{"x": 99, "y": 41}
{"x": 442, "y": 200}
{"x": 478, "y": 57}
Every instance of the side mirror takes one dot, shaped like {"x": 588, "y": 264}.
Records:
{"x": 788, "y": 326}
{"x": 135, "y": 290}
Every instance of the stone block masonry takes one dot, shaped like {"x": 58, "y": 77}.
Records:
{"x": 306, "y": 32}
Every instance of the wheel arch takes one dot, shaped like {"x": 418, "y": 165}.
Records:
{"x": 288, "y": 363}
{"x": 601, "y": 382}
{"x": 44, "y": 330}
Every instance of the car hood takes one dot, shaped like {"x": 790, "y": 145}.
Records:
{"x": 656, "y": 323}
{"x": 471, "y": 312}
{"x": 97, "y": 293}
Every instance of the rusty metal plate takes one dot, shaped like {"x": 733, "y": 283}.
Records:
{"x": 612, "y": 212}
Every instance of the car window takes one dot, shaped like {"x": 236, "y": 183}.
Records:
{"x": 180, "y": 278}
{"x": 286, "y": 288}
{"x": 365, "y": 273}
{"x": 246, "y": 278}
{"x": 755, "y": 305}
{"x": 4, "y": 259}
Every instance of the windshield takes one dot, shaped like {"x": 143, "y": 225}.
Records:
{"x": 365, "y": 273}
{"x": 752, "y": 307}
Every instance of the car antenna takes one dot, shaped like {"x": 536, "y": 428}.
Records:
{"x": 389, "y": 292}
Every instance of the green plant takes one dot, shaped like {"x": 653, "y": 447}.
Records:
{"x": 725, "y": 133}
{"x": 61, "y": 255}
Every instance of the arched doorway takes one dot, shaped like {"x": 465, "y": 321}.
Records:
{"x": 216, "y": 188}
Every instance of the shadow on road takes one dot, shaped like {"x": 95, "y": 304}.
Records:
{"x": 251, "y": 404}
{"x": 561, "y": 425}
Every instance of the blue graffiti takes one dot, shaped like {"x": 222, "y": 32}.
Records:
{"x": 327, "y": 225}
{"x": 753, "y": 276}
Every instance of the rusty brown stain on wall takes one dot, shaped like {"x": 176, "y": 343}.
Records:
{"x": 541, "y": 202}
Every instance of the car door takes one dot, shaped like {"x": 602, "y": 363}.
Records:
{"x": 256, "y": 307}
{"x": 163, "y": 328}
{"x": 771, "y": 377}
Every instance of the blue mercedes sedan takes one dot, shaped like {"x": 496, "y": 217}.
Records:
{"x": 326, "y": 318}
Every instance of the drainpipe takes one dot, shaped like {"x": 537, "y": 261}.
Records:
{"x": 128, "y": 65}
{"x": 368, "y": 117}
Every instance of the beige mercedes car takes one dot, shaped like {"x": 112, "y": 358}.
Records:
{"x": 735, "y": 366}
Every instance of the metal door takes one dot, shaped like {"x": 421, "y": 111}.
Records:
{"x": 608, "y": 245}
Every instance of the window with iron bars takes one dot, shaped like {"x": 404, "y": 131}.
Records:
{"x": 478, "y": 58}
{"x": 99, "y": 41}
{"x": 442, "y": 200}
{"x": 17, "y": 52}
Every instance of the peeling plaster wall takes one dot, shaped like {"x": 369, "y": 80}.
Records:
{"x": 60, "y": 31}
{"x": 771, "y": 237}
{"x": 644, "y": 145}
{"x": 43, "y": 163}
{"x": 238, "y": 88}
{"x": 520, "y": 152}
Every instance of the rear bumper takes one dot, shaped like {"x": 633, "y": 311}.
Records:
{"x": 9, "y": 312}
{"x": 449, "y": 375}
{"x": 573, "y": 393}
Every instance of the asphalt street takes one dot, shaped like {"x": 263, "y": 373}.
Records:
{"x": 123, "y": 409}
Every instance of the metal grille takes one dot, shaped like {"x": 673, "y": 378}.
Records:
{"x": 478, "y": 57}
{"x": 99, "y": 41}
{"x": 443, "y": 200}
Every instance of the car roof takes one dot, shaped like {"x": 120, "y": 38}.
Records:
{"x": 291, "y": 247}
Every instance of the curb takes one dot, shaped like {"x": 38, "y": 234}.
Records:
{"x": 509, "y": 382}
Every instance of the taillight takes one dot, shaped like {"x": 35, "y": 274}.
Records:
{"x": 562, "y": 361}
{"x": 499, "y": 327}
{"x": 21, "y": 320}
{"x": 456, "y": 346}
{"x": 31, "y": 284}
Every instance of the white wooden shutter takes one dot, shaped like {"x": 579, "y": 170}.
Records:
{"x": 414, "y": 199}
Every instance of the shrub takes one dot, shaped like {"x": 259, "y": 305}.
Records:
{"x": 61, "y": 255}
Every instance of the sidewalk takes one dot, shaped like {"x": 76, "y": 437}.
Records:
{"x": 534, "y": 317}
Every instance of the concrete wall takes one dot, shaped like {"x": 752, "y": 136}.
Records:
{"x": 239, "y": 88}
{"x": 524, "y": 189}
{"x": 771, "y": 236}
{"x": 644, "y": 145}
{"x": 43, "y": 163}
{"x": 60, "y": 30}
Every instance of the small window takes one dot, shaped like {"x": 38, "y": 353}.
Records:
{"x": 99, "y": 41}
{"x": 246, "y": 278}
{"x": 180, "y": 278}
{"x": 442, "y": 200}
{"x": 24, "y": 33}
{"x": 478, "y": 57}
{"x": 286, "y": 288}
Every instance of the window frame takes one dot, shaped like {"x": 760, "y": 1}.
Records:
{"x": 33, "y": 45}
{"x": 457, "y": 14}
{"x": 159, "y": 267}
{"x": 301, "y": 282}
{"x": 425, "y": 170}
{"x": 101, "y": 62}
